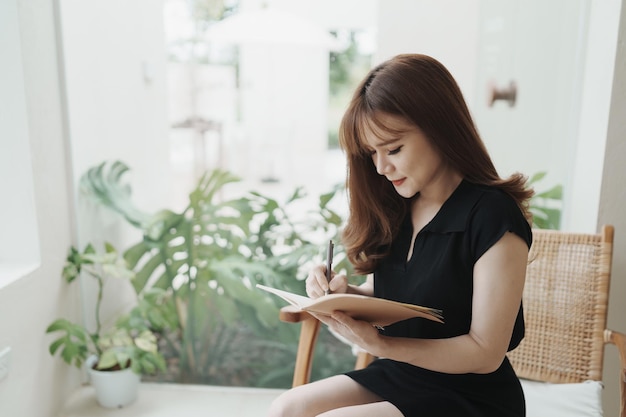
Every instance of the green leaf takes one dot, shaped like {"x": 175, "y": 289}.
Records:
{"x": 54, "y": 346}
{"x": 326, "y": 198}
{"x": 146, "y": 341}
{"x": 89, "y": 250}
{"x": 538, "y": 176}
{"x": 70, "y": 353}
{"x": 545, "y": 205}
{"x": 108, "y": 359}
{"x": 109, "y": 248}
{"x": 59, "y": 324}
{"x": 73, "y": 342}
{"x": 148, "y": 367}
{"x": 134, "y": 254}
{"x": 554, "y": 193}
{"x": 103, "y": 184}
{"x": 161, "y": 223}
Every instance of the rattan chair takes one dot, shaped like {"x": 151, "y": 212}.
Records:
{"x": 565, "y": 307}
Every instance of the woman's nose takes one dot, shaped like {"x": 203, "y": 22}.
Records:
{"x": 382, "y": 164}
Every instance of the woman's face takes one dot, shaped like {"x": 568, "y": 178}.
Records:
{"x": 406, "y": 159}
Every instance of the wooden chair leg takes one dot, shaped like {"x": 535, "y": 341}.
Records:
{"x": 619, "y": 340}
{"x": 306, "y": 346}
{"x": 363, "y": 359}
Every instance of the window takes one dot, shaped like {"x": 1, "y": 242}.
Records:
{"x": 19, "y": 244}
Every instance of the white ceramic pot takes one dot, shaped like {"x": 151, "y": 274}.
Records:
{"x": 114, "y": 389}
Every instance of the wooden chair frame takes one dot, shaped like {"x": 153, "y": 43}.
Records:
{"x": 565, "y": 305}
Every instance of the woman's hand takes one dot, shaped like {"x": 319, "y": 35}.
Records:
{"x": 357, "y": 332}
{"x": 317, "y": 283}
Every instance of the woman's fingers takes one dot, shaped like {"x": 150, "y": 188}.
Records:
{"x": 317, "y": 283}
{"x": 339, "y": 283}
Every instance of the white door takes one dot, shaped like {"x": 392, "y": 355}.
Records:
{"x": 531, "y": 54}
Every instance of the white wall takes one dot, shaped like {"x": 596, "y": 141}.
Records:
{"x": 116, "y": 86}
{"x": 444, "y": 29}
{"x": 611, "y": 207}
{"x": 583, "y": 196}
{"x": 37, "y": 384}
{"x": 115, "y": 75}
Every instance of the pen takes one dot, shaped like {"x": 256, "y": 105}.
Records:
{"x": 329, "y": 264}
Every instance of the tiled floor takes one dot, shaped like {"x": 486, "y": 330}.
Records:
{"x": 173, "y": 400}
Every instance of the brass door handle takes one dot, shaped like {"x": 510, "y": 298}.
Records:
{"x": 508, "y": 94}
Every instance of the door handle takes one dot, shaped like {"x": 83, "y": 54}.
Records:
{"x": 508, "y": 93}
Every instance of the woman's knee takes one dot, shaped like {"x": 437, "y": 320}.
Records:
{"x": 320, "y": 396}
{"x": 305, "y": 400}
{"x": 287, "y": 404}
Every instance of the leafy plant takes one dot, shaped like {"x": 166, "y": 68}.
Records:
{"x": 204, "y": 262}
{"x": 545, "y": 206}
{"x": 130, "y": 343}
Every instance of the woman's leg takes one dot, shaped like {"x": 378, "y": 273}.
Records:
{"x": 378, "y": 409}
{"x": 321, "y": 396}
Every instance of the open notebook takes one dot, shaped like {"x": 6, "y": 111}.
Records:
{"x": 377, "y": 311}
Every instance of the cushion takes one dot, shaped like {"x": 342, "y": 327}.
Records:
{"x": 545, "y": 399}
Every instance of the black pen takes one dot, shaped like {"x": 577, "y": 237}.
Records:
{"x": 329, "y": 264}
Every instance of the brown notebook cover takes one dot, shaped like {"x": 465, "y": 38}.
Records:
{"x": 377, "y": 311}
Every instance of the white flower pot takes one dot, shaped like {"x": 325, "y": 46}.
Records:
{"x": 114, "y": 389}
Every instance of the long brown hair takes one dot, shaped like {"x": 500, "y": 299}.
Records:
{"x": 421, "y": 90}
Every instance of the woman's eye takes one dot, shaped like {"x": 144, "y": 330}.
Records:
{"x": 394, "y": 151}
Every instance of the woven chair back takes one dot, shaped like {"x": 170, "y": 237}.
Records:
{"x": 565, "y": 307}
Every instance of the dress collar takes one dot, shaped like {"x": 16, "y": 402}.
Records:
{"x": 453, "y": 214}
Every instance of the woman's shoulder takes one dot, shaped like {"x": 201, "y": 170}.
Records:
{"x": 486, "y": 196}
{"x": 495, "y": 211}
{"x": 471, "y": 199}
{"x": 468, "y": 200}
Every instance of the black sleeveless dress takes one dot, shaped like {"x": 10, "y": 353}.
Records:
{"x": 439, "y": 274}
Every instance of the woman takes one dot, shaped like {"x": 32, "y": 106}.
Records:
{"x": 432, "y": 224}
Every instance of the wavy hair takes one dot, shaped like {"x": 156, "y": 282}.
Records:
{"x": 422, "y": 91}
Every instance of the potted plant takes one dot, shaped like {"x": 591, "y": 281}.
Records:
{"x": 206, "y": 260}
{"x": 116, "y": 356}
